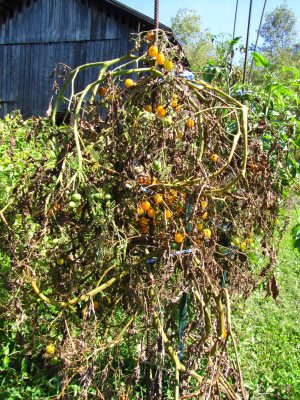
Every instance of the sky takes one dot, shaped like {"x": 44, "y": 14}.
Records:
{"x": 216, "y": 15}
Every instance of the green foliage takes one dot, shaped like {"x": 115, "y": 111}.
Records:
{"x": 197, "y": 44}
{"x": 280, "y": 43}
{"x": 270, "y": 334}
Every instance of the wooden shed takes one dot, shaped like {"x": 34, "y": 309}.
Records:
{"x": 36, "y": 35}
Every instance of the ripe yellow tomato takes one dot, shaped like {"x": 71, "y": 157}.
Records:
{"x": 168, "y": 65}
{"x": 148, "y": 108}
{"x": 158, "y": 198}
{"x": 144, "y": 229}
{"x": 145, "y": 205}
{"x": 96, "y": 305}
{"x": 174, "y": 104}
{"x": 161, "y": 113}
{"x": 203, "y": 203}
{"x": 143, "y": 221}
{"x": 179, "y": 135}
{"x": 140, "y": 211}
{"x": 199, "y": 226}
{"x": 167, "y": 214}
{"x": 128, "y": 82}
{"x": 160, "y": 59}
{"x": 214, "y": 157}
{"x": 243, "y": 246}
{"x": 150, "y": 36}
{"x": 178, "y": 238}
{"x": 198, "y": 241}
{"x": 60, "y": 261}
{"x": 204, "y": 216}
{"x": 160, "y": 107}
{"x": 153, "y": 51}
{"x": 190, "y": 123}
{"x": 50, "y": 349}
{"x": 207, "y": 233}
{"x": 102, "y": 91}
{"x": 151, "y": 212}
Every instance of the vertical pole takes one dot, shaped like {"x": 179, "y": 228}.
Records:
{"x": 257, "y": 37}
{"x": 156, "y": 14}
{"x": 247, "y": 43}
{"x": 183, "y": 300}
{"x": 234, "y": 24}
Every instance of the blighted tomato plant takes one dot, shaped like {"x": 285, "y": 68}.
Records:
{"x": 157, "y": 193}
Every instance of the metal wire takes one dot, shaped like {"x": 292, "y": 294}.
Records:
{"x": 234, "y": 24}
{"x": 257, "y": 37}
{"x": 247, "y": 43}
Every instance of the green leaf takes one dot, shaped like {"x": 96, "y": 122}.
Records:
{"x": 5, "y": 362}
{"x": 260, "y": 60}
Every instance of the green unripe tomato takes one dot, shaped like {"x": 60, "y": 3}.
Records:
{"x": 107, "y": 196}
{"x": 236, "y": 241}
{"x": 54, "y": 360}
{"x": 55, "y": 242}
{"x": 98, "y": 196}
{"x": 76, "y": 197}
{"x": 157, "y": 165}
{"x": 72, "y": 204}
{"x": 180, "y": 203}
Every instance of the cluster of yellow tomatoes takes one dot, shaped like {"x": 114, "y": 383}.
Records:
{"x": 158, "y": 208}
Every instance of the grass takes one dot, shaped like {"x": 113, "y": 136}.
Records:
{"x": 269, "y": 331}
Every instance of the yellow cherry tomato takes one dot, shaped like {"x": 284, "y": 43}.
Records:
{"x": 190, "y": 123}
{"x": 150, "y": 36}
{"x": 50, "y": 349}
{"x": 158, "y": 198}
{"x": 96, "y": 305}
{"x": 168, "y": 65}
{"x": 145, "y": 205}
{"x": 143, "y": 221}
{"x": 207, "y": 233}
{"x": 60, "y": 261}
{"x": 148, "y": 108}
{"x": 153, "y": 51}
{"x": 140, "y": 211}
{"x": 179, "y": 135}
{"x": 167, "y": 214}
{"x": 178, "y": 238}
{"x": 128, "y": 82}
{"x": 151, "y": 212}
{"x": 214, "y": 157}
{"x": 161, "y": 113}
{"x": 160, "y": 59}
{"x": 243, "y": 246}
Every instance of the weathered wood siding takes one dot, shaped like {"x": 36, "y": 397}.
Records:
{"x": 38, "y": 34}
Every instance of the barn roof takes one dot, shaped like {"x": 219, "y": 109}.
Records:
{"x": 5, "y": 4}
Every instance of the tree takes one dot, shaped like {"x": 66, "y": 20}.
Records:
{"x": 279, "y": 32}
{"x": 197, "y": 45}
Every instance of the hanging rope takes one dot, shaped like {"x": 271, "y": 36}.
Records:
{"x": 257, "y": 37}
{"x": 156, "y": 14}
{"x": 247, "y": 43}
